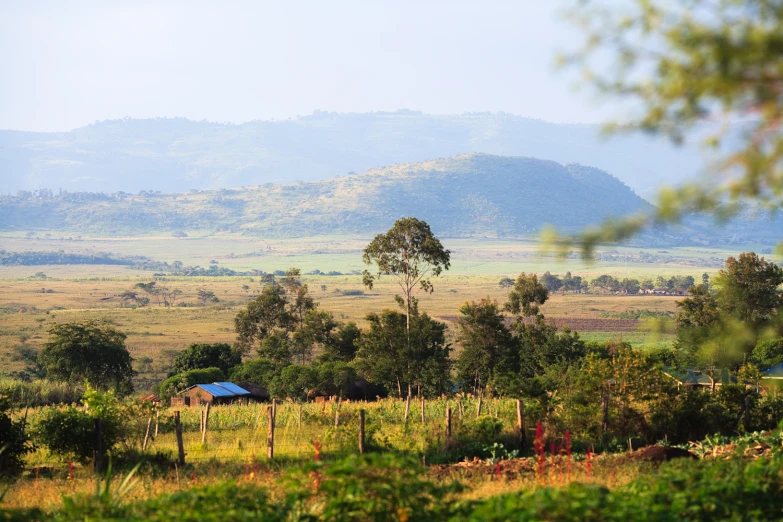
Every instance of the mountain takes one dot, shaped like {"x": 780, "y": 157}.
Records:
{"x": 176, "y": 155}
{"x": 468, "y": 195}
{"x": 474, "y": 194}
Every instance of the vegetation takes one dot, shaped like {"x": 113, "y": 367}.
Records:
{"x": 472, "y": 193}
{"x": 88, "y": 351}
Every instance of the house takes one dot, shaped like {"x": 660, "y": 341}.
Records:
{"x": 693, "y": 378}
{"x": 775, "y": 372}
{"x": 215, "y": 393}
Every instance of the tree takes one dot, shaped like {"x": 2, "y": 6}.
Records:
{"x": 199, "y": 356}
{"x": 205, "y": 295}
{"x": 263, "y": 315}
{"x": 342, "y": 344}
{"x": 551, "y": 282}
{"x": 526, "y": 296}
{"x": 384, "y": 356}
{"x": 294, "y": 382}
{"x": 316, "y": 329}
{"x": 768, "y": 353}
{"x": 410, "y": 253}
{"x": 747, "y": 288}
{"x": 487, "y": 345}
{"x": 685, "y": 65}
{"x": 89, "y": 351}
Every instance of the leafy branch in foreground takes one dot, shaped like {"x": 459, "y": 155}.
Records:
{"x": 712, "y": 69}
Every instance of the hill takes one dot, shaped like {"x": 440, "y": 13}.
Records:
{"x": 176, "y": 155}
{"x": 474, "y": 194}
{"x": 469, "y": 195}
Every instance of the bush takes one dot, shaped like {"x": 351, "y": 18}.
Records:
{"x": 14, "y": 444}
{"x": 69, "y": 433}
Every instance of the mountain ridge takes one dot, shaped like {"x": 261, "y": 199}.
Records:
{"x": 177, "y": 154}
{"x": 471, "y": 195}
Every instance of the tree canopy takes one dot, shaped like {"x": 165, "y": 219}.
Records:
{"x": 88, "y": 351}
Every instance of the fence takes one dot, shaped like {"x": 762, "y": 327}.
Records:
{"x": 242, "y": 432}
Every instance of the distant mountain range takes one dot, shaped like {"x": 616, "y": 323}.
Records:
{"x": 176, "y": 155}
{"x": 467, "y": 195}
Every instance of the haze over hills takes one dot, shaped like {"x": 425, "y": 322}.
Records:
{"x": 176, "y": 155}
{"x": 467, "y": 195}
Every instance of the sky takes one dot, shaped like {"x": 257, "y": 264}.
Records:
{"x": 69, "y": 64}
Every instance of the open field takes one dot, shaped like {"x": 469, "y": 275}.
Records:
{"x": 28, "y": 305}
{"x": 158, "y": 333}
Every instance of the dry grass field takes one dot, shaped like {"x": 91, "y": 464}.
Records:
{"x": 28, "y": 305}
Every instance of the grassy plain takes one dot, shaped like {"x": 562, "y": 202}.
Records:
{"x": 29, "y": 305}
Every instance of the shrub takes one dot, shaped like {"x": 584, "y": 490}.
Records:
{"x": 14, "y": 444}
{"x": 69, "y": 433}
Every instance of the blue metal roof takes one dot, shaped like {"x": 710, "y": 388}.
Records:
{"x": 216, "y": 390}
{"x": 230, "y": 386}
{"x": 773, "y": 372}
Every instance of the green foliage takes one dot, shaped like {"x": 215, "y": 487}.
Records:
{"x": 386, "y": 357}
{"x": 182, "y": 381}
{"x": 768, "y": 353}
{"x": 14, "y": 442}
{"x": 200, "y": 356}
{"x": 722, "y": 323}
{"x": 374, "y": 487}
{"x": 705, "y": 69}
{"x": 526, "y": 296}
{"x": 88, "y": 351}
{"x": 488, "y": 348}
{"x": 294, "y": 381}
{"x": 69, "y": 433}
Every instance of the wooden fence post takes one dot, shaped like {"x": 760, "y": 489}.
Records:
{"x": 299, "y": 420}
{"x": 461, "y": 411}
{"x": 206, "y": 422}
{"x": 747, "y": 412}
{"x": 448, "y": 423}
{"x": 605, "y": 409}
{"x": 422, "y": 410}
{"x": 98, "y": 446}
{"x": 407, "y": 408}
{"x": 157, "y": 418}
{"x": 180, "y": 445}
{"x": 478, "y": 409}
{"x": 521, "y": 423}
{"x": 361, "y": 432}
{"x": 147, "y": 435}
{"x": 270, "y": 434}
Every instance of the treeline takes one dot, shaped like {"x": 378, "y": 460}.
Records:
{"x": 677, "y": 284}
{"x": 34, "y": 258}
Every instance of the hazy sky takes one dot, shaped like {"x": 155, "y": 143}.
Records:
{"x": 68, "y": 64}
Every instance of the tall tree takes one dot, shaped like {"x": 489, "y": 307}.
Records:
{"x": 88, "y": 351}
{"x": 264, "y": 314}
{"x": 487, "y": 345}
{"x": 410, "y": 253}
{"x": 747, "y": 288}
{"x": 384, "y": 357}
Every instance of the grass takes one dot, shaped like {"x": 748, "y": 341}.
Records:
{"x": 236, "y": 450}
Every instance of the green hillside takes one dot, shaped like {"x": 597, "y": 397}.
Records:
{"x": 469, "y": 195}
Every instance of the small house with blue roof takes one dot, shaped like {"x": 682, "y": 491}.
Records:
{"x": 214, "y": 393}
